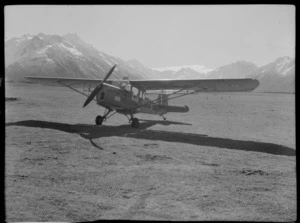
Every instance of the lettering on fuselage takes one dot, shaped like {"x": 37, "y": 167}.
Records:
{"x": 118, "y": 98}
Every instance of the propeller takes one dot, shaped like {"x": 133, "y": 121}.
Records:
{"x": 98, "y": 87}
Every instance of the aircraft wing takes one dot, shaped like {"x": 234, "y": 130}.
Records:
{"x": 83, "y": 86}
{"x": 75, "y": 82}
{"x": 83, "y": 83}
{"x": 199, "y": 85}
{"x": 80, "y": 82}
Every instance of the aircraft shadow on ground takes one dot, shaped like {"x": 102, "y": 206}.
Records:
{"x": 91, "y": 132}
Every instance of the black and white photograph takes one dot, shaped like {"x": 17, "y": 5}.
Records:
{"x": 149, "y": 112}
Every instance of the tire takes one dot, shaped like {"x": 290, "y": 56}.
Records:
{"x": 135, "y": 123}
{"x": 99, "y": 120}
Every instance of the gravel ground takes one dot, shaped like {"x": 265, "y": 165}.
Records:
{"x": 232, "y": 157}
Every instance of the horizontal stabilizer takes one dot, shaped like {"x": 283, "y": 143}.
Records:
{"x": 171, "y": 108}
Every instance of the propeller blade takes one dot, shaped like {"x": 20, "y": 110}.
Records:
{"x": 109, "y": 73}
{"x": 98, "y": 87}
{"x": 93, "y": 94}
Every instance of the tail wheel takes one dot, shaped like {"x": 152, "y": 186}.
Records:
{"x": 135, "y": 123}
{"x": 99, "y": 120}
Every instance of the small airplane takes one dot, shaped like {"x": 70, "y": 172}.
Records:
{"x": 129, "y": 97}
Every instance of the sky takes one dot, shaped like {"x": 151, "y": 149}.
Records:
{"x": 167, "y": 35}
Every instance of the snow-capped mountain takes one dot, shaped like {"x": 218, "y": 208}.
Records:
{"x": 175, "y": 72}
{"x": 60, "y": 56}
{"x": 278, "y": 76}
{"x": 181, "y": 72}
{"x": 152, "y": 74}
{"x": 198, "y": 68}
{"x": 70, "y": 56}
{"x": 238, "y": 69}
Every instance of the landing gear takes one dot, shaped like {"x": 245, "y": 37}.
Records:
{"x": 99, "y": 120}
{"x": 135, "y": 123}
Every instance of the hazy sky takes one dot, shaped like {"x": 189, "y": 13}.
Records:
{"x": 169, "y": 35}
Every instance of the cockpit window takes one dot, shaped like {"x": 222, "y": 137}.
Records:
{"x": 135, "y": 91}
{"x": 125, "y": 85}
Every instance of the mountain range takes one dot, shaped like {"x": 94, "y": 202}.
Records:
{"x": 60, "y": 56}
{"x": 70, "y": 56}
{"x": 278, "y": 76}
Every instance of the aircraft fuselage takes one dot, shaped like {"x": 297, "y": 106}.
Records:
{"x": 116, "y": 98}
{"x": 125, "y": 102}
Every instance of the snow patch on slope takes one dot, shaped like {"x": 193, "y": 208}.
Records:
{"x": 285, "y": 72}
{"x": 198, "y": 68}
{"x": 101, "y": 54}
{"x": 44, "y": 49}
{"x": 108, "y": 62}
{"x": 71, "y": 50}
{"x": 280, "y": 66}
{"x": 23, "y": 38}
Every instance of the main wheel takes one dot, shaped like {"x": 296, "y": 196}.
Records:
{"x": 135, "y": 123}
{"x": 99, "y": 120}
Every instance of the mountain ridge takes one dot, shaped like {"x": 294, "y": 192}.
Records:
{"x": 277, "y": 76}
{"x": 69, "y": 56}
{"x": 60, "y": 56}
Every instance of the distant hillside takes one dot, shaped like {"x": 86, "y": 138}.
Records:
{"x": 278, "y": 76}
{"x": 176, "y": 72}
{"x": 239, "y": 69}
{"x": 151, "y": 74}
{"x": 183, "y": 72}
{"x": 60, "y": 56}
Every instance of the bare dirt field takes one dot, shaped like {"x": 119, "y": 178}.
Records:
{"x": 232, "y": 157}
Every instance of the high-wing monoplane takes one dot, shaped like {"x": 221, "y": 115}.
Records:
{"x": 129, "y": 97}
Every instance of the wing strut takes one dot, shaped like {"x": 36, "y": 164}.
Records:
{"x": 181, "y": 95}
{"x": 74, "y": 89}
{"x": 149, "y": 102}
